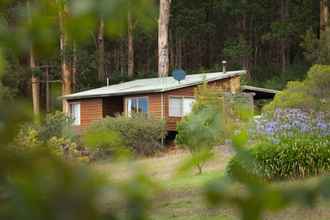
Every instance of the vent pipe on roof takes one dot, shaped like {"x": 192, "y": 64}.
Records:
{"x": 224, "y": 66}
{"x": 108, "y": 81}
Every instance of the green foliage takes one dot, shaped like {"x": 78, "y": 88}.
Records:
{"x": 66, "y": 149}
{"x": 270, "y": 77}
{"x": 310, "y": 94}
{"x": 36, "y": 184}
{"x": 55, "y": 125}
{"x": 253, "y": 196}
{"x": 5, "y": 92}
{"x": 201, "y": 130}
{"x": 292, "y": 157}
{"x": 103, "y": 142}
{"x": 238, "y": 110}
{"x": 36, "y": 72}
{"x": 317, "y": 50}
{"x": 27, "y": 139}
{"x": 141, "y": 133}
{"x": 53, "y": 133}
{"x": 236, "y": 50}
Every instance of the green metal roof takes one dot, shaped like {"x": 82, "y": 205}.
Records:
{"x": 152, "y": 85}
{"x": 258, "y": 89}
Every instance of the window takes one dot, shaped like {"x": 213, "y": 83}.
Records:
{"x": 75, "y": 113}
{"x": 137, "y": 104}
{"x": 180, "y": 106}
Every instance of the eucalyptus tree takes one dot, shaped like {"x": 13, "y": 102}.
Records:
{"x": 163, "y": 36}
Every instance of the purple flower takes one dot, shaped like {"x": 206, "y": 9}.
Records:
{"x": 290, "y": 121}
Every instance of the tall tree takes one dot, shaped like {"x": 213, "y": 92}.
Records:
{"x": 163, "y": 47}
{"x": 35, "y": 79}
{"x": 74, "y": 66}
{"x": 35, "y": 84}
{"x": 65, "y": 67}
{"x": 100, "y": 51}
{"x": 324, "y": 15}
{"x": 130, "y": 38}
{"x": 283, "y": 41}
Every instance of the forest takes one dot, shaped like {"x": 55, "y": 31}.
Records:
{"x": 275, "y": 41}
{"x": 95, "y": 125}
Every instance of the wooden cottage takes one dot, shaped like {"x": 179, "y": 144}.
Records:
{"x": 163, "y": 98}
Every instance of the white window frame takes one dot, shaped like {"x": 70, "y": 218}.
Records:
{"x": 182, "y": 111}
{"x": 127, "y": 102}
{"x": 77, "y": 121}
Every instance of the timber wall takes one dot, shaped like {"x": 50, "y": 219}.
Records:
{"x": 98, "y": 108}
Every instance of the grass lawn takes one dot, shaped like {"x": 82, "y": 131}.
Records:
{"x": 181, "y": 196}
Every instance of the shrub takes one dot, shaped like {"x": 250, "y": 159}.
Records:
{"x": 54, "y": 133}
{"x": 310, "y": 94}
{"x": 201, "y": 130}
{"x": 103, "y": 143}
{"x": 292, "y": 157}
{"x": 55, "y": 125}
{"x": 27, "y": 139}
{"x": 66, "y": 149}
{"x": 199, "y": 133}
{"x": 142, "y": 134}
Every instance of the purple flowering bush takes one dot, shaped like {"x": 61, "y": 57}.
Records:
{"x": 291, "y": 122}
{"x": 290, "y": 143}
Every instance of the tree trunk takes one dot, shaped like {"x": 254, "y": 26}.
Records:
{"x": 48, "y": 101}
{"x": 324, "y": 16}
{"x": 163, "y": 23}
{"x": 283, "y": 41}
{"x": 123, "y": 57}
{"x": 35, "y": 85}
{"x": 100, "y": 51}
{"x": 35, "y": 79}
{"x": 66, "y": 71}
{"x": 130, "y": 40}
{"x": 74, "y": 67}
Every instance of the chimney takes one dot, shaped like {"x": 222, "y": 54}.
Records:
{"x": 224, "y": 66}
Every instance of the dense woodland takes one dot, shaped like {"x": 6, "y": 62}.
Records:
{"x": 274, "y": 40}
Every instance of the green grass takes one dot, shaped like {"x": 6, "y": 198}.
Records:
{"x": 181, "y": 196}
{"x": 192, "y": 180}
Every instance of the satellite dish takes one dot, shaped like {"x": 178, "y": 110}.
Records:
{"x": 179, "y": 74}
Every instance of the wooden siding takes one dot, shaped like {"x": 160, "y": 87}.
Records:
{"x": 98, "y": 108}
{"x": 91, "y": 110}
{"x": 186, "y": 92}
{"x": 230, "y": 85}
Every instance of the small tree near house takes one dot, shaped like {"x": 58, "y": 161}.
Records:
{"x": 201, "y": 130}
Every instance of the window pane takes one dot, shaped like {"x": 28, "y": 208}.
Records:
{"x": 139, "y": 104}
{"x": 175, "y": 107}
{"x": 129, "y": 106}
{"x": 134, "y": 106}
{"x": 187, "y": 105}
{"x": 143, "y": 104}
{"x": 75, "y": 113}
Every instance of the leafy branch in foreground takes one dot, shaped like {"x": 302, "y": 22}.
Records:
{"x": 37, "y": 185}
{"x": 253, "y": 196}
